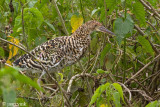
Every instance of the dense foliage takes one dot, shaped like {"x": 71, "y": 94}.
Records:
{"x": 121, "y": 70}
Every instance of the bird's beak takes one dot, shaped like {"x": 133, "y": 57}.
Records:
{"x": 103, "y": 29}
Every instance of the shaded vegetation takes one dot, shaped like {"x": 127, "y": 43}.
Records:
{"x": 116, "y": 71}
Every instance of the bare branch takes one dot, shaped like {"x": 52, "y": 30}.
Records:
{"x": 135, "y": 75}
{"x": 60, "y": 16}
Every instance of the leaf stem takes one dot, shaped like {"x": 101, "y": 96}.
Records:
{"x": 125, "y": 7}
{"x": 23, "y": 30}
{"x": 124, "y": 60}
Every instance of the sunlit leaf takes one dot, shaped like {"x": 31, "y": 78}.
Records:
{"x": 104, "y": 105}
{"x": 153, "y": 104}
{"x": 1, "y": 52}
{"x": 33, "y": 17}
{"x": 76, "y": 21}
{"x": 61, "y": 76}
{"x": 116, "y": 99}
{"x": 95, "y": 96}
{"x": 12, "y": 49}
{"x": 100, "y": 71}
{"x": 2, "y": 2}
{"x": 98, "y": 92}
{"x": 119, "y": 89}
{"x": 32, "y": 3}
{"x": 94, "y": 11}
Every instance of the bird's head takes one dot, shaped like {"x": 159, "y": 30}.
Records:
{"x": 97, "y": 26}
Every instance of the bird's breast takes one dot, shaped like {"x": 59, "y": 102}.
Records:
{"x": 76, "y": 49}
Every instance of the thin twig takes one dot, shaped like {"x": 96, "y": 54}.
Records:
{"x": 143, "y": 93}
{"x": 149, "y": 7}
{"x": 23, "y": 30}
{"x": 142, "y": 33}
{"x": 60, "y": 16}
{"x": 61, "y": 89}
{"x": 75, "y": 77}
{"x": 130, "y": 95}
{"x": 135, "y": 75}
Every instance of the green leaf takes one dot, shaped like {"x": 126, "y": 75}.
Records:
{"x": 100, "y": 71}
{"x": 153, "y": 104}
{"x": 1, "y": 52}
{"x": 108, "y": 93}
{"x": 61, "y": 76}
{"x": 94, "y": 44}
{"x": 9, "y": 95}
{"x": 18, "y": 21}
{"x": 2, "y": 2}
{"x": 116, "y": 99}
{"x": 21, "y": 78}
{"x": 33, "y": 17}
{"x": 122, "y": 27}
{"x": 102, "y": 15}
{"x": 94, "y": 11}
{"x": 93, "y": 99}
{"x": 145, "y": 44}
{"x": 139, "y": 12}
{"x": 22, "y": 102}
{"x": 98, "y": 93}
{"x": 40, "y": 40}
{"x": 104, "y": 52}
{"x": 25, "y": 79}
{"x": 119, "y": 89}
{"x": 32, "y": 3}
{"x": 112, "y": 4}
{"x": 50, "y": 25}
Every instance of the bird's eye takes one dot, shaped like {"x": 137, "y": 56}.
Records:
{"x": 95, "y": 25}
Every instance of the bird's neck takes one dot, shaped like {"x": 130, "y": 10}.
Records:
{"x": 82, "y": 32}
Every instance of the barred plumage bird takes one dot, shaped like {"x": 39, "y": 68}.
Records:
{"x": 62, "y": 51}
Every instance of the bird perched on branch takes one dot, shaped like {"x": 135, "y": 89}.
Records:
{"x": 62, "y": 51}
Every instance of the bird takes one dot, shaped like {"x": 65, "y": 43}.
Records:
{"x": 57, "y": 53}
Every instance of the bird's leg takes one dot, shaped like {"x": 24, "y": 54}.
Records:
{"x": 38, "y": 81}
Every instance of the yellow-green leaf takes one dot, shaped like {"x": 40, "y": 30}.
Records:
{"x": 76, "y": 21}
{"x": 12, "y": 49}
{"x": 119, "y": 89}
{"x": 104, "y": 105}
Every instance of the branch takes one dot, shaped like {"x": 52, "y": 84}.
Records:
{"x": 75, "y": 77}
{"x": 61, "y": 89}
{"x": 135, "y": 75}
{"x": 142, "y": 33}
{"x": 130, "y": 95}
{"x": 149, "y": 7}
{"x": 143, "y": 93}
{"x": 60, "y": 16}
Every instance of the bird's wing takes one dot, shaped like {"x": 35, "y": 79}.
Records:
{"x": 50, "y": 54}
